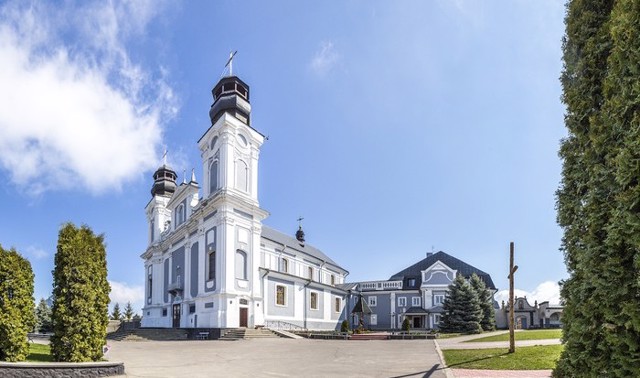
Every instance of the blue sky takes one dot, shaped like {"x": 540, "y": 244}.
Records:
{"x": 394, "y": 127}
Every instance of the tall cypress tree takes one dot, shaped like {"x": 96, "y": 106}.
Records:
{"x": 599, "y": 197}
{"x": 81, "y": 292}
{"x": 17, "y": 316}
{"x": 462, "y": 311}
{"x": 488, "y": 321}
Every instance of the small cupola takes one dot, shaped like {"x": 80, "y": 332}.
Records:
{"x": 300, "y": 235}
{"x": 231, "y": 95}
{"x": 164, "y": 181}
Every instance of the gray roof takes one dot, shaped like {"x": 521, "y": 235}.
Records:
{"x": 347, "y": 286}
{"x": 416, "y": 310}
{"x": 414, "y": 271}
{"x": 293, "y": 243}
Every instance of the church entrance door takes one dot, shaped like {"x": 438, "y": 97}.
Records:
{"x": 176, "y": 316}
{"x": 244, "y": 315}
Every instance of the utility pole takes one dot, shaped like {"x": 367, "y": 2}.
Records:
{"x": 512, "y": 318}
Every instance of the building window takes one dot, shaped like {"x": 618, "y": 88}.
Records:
{"x": 211, "y": 274}
{"x": 150, "y": 283}
{"x": 241, "y": 265}
{"x": 164, "y": 311}
{"x": 242, "y": 173}
{"x": 438, "y": 299}
{"x": 281, "y": 295}
{"x": 412, "y": 282}
{"x": 373, "y": 320}
{"x": 284, "y": 265}
{"x": 338, "y": 304}
{"x": 152, "y": 231}
{"x": 180, "y": 215}
{"x": 436, "y": 319}
{"x": 415, "y": 301}
{"x": 213, "y": 176}
{"x": 213, "y": 142}
{"x": 313, "y": 301}
{"x": 402, "y": 302}
{"x": 311, "y": 273}
{"x": 333, "y": 280}
{"x": 192, "y": 308}
{"x": 373, "y": 301}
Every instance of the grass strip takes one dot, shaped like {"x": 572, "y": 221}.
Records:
{"x": 535, "y": 334}
{"x": 39, "y": 353}
{"x": 539, "y": 357}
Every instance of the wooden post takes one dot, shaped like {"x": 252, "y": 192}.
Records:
{"x": 512, "y": 270}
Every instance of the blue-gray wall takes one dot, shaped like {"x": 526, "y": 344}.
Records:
{"x": 319, "y": 312}
{"x": 177, "y": 265}
{"x": 166, "y": 281}
{"x": 194, "y": 269}
{"x": 272, "y": 309}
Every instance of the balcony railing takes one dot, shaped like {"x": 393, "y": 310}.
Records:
{"x": 381, "y": 285}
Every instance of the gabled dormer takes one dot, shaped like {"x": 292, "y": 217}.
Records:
{"x": 183, "y": 201}
{"x": 438, "y": 274}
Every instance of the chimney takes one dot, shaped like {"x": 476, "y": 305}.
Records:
{"x": 429, "y": 254}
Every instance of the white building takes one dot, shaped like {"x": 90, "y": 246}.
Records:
{"x": 211, "y": 263}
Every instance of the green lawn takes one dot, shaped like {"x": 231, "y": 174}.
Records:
{"x": 534, "y": 334}
{"x": 525, "y": 358}
{"x": 39, "y": 353}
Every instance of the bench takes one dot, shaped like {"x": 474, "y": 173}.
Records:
{"x": 202, "y": 336}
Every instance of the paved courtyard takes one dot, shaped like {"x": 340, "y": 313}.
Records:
{"x": 279, "y": 358}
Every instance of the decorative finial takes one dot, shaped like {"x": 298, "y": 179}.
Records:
{"x": 184, "y": 176}
{"x": 193, "y": 175}
{"x": 164, "y": 157}
{"x": 300, "y": 233}
{"x": 230, "y": 62}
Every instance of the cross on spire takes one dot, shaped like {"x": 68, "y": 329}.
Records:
{"x": 230, "y": 62}
{"x": 164, "y": 157}
{"x": 300, "y": 219}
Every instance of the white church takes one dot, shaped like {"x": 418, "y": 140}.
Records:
{"x": 211, "y": 262}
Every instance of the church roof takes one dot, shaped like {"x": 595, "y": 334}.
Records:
{"x": 415, "y": 270}
{"x": 293, "y": 243}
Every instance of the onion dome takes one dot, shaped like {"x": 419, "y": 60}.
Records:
{"x": 164, "y": 181}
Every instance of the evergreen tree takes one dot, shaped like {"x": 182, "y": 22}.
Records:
{"x": 462, "y": 311}
{"x": 81, "y": 296}
{"x": 598, "y": 206}
{"x": 488, "y": 322}
{"x": 128, "y": 312}
{"x": 115, "y": 313}
{"x": 43, "y": 317}
{"x": 16, "y": 305}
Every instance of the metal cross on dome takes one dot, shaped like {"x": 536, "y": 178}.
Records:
{"x": 230, "y": 62}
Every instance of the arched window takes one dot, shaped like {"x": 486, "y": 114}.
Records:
{"x": 213, "y": 142}
{"x": 242, "y": 173}
{"x": 211, "y": 273}
{"x": 210, "y": 239}
{"x": 180, "y": 215}
{"x": 213, "y": 176}
{"x": 241, "y": 265}
{"x": 152, "y": 231}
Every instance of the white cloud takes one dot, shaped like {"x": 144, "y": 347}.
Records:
{"x": 325, "y": 59}
{"x": 122, "y": 293}
{"x": 77, "y": 112}
{"x": 36, "y": 253}
{"x": 546, "y": 291}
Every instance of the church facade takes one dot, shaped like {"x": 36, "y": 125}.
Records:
{"x": 211, "y": 262}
